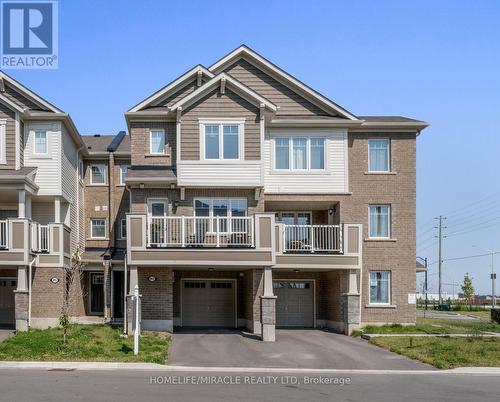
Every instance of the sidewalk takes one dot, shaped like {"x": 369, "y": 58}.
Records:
{"x": 111, "y": 366}
{"x": 481, "y": 335}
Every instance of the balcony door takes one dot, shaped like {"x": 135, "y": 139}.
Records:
{"x": 157, "y": 213}
{"x": 297, "y": 229}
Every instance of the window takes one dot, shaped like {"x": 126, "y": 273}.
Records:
{"x": 379, "y": 221}
{"x": 81, "y": 170}
{"x": 40, "y": 142}
{"x": 123, "y": 229}
{"x": 380, "y": 287}
{"x": 222, "y": 141}
{"x": 297, "y": 153}
{"x": 3, "y": 123}
{"x": 378, "y": 155}
{"x": 157, "y": 142}
{"x": 98, "y": 174}
{"x": 123, "y": 173}
{"x": 98, "y": 228}
{"x": 231, "y": 208}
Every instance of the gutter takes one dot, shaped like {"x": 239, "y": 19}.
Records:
{"x": 30, "y": 274}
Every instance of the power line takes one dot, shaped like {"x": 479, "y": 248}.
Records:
{"x": 466, "y": 257}
{"x": 471, "y": 205}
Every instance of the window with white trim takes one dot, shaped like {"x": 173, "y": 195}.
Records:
{"x": 123, "y": 173}
{"x": 379, "y": 221}
{"x": 3, "y": 157}
{"x": 223, "y": 208}
{"x": 40, "y": 138}
{"x": 299, "y": 153}
{"x": 157, "y": 140}
{"x": 380, "y": 287}
{"x": 123, "y": 229}
{"x": 379, "y": 155}
{"x": 98, "y": 228}
{"x": 98, "y": 174}
{"x": 222, "y": 141}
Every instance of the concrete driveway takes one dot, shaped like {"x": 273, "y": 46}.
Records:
{"x": 293, "y": 349}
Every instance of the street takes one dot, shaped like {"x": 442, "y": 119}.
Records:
{"x": 56, "y": 385}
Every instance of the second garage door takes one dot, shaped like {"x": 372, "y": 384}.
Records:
{"x": 208, "y": 303}
{"x": 294, "y": 304}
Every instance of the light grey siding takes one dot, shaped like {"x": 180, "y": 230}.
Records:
{"x": 10, "y": 137}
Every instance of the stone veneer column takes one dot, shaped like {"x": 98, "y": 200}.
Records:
{"x": 352, "y": 304}
{"x": 268, "y": 308}
{"x": 21, "y": 297}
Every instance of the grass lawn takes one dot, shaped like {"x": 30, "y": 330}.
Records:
{"x": 435, "y": 326}
{"x": 85, "y": 343}
{"x": 445, "y": 353}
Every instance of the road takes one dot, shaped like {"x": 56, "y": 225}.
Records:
{"x": 143, "y": 386}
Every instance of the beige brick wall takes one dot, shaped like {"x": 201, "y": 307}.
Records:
{"x": 157, "y": 296}
{"x": 46, "y": 296}
{"x": 140, "y": 145}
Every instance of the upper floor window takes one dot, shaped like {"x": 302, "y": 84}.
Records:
{"x": 222, "y": 141}
{"x": 123, "y": 229}
{"x": 379, "y": 222}
{"x": 98, "y": 174}
{"x": 40, "y": 142}
{"x": 380, "y": 282}
{"x": 123, "y": 173}
{"x": 299, "y": 153}
{"x": 157, "y": 142}
{"x": 378, "y": 155}
{"x": 222, "y": 208}
{"x": 98, "y": 228}
{"x": 3, "y": 123}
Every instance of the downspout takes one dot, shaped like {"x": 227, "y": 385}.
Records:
{"x": 125, "y": 295}
{"x": 30, "y": 274}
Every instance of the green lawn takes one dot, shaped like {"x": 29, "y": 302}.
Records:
{"x": 445, "y": 353}
{"x": 435, "y": 326}
{"x": 85, "y": 343}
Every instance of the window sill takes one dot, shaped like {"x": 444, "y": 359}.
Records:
{"x": 97, "y": 185}
{"x": 44, "y": 156}
{"x": 381, "y": 306}
{"x": 98, "y": 239}
{"x": 375, "y": 239}
{"x": 156, "y": 155}
{"x": 381, "y": 173}
{"x": 301, "y": 172}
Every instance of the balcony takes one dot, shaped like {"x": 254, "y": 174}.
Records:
{"x": 312, "y": 238}
{"x": 195, "y": 231}
{"x": 40, "y": 238}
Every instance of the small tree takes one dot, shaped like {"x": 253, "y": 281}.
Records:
{"x": 72, "y": 290}
{"x": 468, "y": 289}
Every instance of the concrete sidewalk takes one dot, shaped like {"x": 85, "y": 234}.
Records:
{"x": 114, "y": 366}
{"x": 481, "y": 335}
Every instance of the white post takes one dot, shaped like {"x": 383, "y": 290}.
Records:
{"x": 21, "y": 212}
{"x": 28, "y": 206}
{"x": 57, "y": 210}
{"x": 136, "y": 332}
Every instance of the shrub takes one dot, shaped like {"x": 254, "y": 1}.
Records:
{"x": 495, "y": 314}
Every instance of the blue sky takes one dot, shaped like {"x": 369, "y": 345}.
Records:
{"x": 437, "y": 61}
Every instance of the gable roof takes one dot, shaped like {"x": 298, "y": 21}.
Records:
{"x": 293, "y": 83}
{"x": 240, "y": 88}
{"x": 171, "y": 87}
{"x": 99, "y": 145}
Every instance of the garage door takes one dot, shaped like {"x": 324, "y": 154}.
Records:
{"x": 294, "y": 304}
{"x": 208, "y": 303}
{"x": 7, "y": 304}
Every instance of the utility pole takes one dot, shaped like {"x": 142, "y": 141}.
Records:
{"x": 425, "y": 263}
{"x": 440, "y": 259}
{"x": 493, "y": 277}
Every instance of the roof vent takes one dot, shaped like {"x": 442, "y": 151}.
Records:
{"x": 97, "y": 135}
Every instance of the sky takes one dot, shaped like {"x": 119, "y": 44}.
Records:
{"x": 437, "y": 61}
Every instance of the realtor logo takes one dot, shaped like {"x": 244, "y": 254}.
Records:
{"x": 29, "y": 34}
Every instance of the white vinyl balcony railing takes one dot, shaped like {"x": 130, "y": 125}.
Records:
{"x": 40, "y": 236}
{"x": 312, "y": 238}
{"x": 4, "y": 234}
{"x": 196, "y": 231}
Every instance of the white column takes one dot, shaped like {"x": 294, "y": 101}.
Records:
{"x": 268, "y": 282}
{"x": 134, "y": 279}
{"x": 268, "y": 307}
{"x": 28, "y": 206}
{"x": 21, "y": 211}
{"x": 353, "y": 283}
{"x": 22, "y": 278}
{"x": 57, "y": 210}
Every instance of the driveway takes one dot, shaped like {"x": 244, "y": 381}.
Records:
{"x": 5, "y": 333}
{"x": 292, "y": 349}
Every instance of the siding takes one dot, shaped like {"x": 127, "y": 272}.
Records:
{"x": 21, "y": 144}
{"x": 48, "y": 176}
{"x": 215, "y": 105}
{"x": 69, "y": 182}
{"x": 178, "y": 95}
{"x": 334, "y": 179}
{"x": 43, "y": 212}
{"x": 21, "y": 100}
{"x": 290, "y": 103}
{"x": 10, "y": 137}
{"x": 247, "y": 174}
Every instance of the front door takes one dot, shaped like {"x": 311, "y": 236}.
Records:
{"x": 7, "y": 303}
{"x": 96, "y": 293}
{"x": 118, "y": 294}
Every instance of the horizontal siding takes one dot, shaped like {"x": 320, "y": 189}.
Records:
{"x": 178, "y": 95}
{"x": 10, "y": 137}
{"x": 48, "y": 175}
{"x": 290, "y": 103}
{"x": 332, "y": 181}
{"x": 21, "y": 100}
{"x": 215, "y": 105}
{"x": 219, "y": 175}
{"x": 43, "y": 212}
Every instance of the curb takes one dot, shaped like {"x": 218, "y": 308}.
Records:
{"x": 110, "y": 366}
{"x": 482, "y": 335}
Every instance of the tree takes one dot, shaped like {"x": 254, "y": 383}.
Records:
{"x": 72, "y": 290}
{"x": 468, "y": 289}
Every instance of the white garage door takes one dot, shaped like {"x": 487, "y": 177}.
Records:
{"x": 208, "y": 303}
{"x": 7, "y": 303}
{"x": 294, "y": 304}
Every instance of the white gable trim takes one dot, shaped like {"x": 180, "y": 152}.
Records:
{"x": 11, "y": 105}
{"x": 28, "y": 93}
{"x": 244, "y": 90}
{"x": 165, "y": 91}
{"x": 290, "y": 81}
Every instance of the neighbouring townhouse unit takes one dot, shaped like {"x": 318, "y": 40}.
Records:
{"x": 241, "y": 198}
